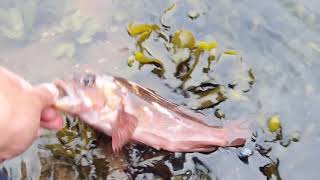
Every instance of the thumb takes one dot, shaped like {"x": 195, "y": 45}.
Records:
{"x": 48, "y": 93}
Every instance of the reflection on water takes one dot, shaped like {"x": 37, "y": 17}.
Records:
{"x": 275, "y": 73}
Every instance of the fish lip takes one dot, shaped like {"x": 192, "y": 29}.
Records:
{"x": 67, "y": 95}
{"x": 62, "y": 88}
{"x": 70, "y": 98}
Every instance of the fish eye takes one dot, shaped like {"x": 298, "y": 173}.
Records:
{"x": 88, "y": 80}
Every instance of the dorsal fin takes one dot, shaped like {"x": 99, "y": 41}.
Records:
{"x": 150, "y": 96}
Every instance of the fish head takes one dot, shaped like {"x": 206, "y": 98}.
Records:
{"x": 80, "y": 94}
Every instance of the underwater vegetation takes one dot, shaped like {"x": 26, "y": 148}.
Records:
{"x": 206, "y": 75}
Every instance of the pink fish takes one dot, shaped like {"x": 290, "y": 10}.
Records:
{"x": 127, "y": 111}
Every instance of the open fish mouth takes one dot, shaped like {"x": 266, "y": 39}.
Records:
{"x": 67, "y": 95}
{"x": 63, "y": 88}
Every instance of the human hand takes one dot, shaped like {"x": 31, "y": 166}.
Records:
{"x": 24, "y": 110}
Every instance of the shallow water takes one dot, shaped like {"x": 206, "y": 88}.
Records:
{"x": 277, "y": 39}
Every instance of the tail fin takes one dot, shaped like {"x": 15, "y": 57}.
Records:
{"x": 239, "y": 131}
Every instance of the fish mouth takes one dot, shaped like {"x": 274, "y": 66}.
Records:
{"x": 62, "y": 88}
{"x": 67, "y": 95}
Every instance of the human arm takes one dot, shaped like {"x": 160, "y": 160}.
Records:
{"x": 24, "y": 109}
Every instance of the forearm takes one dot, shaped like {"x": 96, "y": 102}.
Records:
{"x": 3, "y": 99}
{"x": 5, "y": 107}
{"x": 4, "y": 120}
{"x": 21, "y": 107}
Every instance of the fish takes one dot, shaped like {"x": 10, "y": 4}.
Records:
{"x": 128, "y": 112}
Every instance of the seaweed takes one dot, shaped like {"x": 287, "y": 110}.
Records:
{"x": 271, "y": 170}
{"x": 20, "y": 20}
{"x": 76, "y": 31}
{"x": 185, "y": 52}
{"x": 78, "y": 146}
{"x": 168, "y": 10}
{"x": 12, "y": 25}
{"x": 183, "y": 39}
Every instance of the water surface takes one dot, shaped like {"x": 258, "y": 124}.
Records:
{"x": 277, "y": 39}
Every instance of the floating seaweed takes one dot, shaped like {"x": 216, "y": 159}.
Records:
{"x": 185, "y": 52}
{"x": 168, "y": 10}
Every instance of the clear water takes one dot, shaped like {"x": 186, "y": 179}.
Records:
{"x": 278, "y": 39}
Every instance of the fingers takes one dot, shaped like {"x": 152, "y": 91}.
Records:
{"x": 51, "y": 119}
{"x": 48, "y": 114}
{"x": 48, "y": 93}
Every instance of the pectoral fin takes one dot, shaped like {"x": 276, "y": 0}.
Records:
{"x": 123, "y": 129}
{"x": 238, "y": 142}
